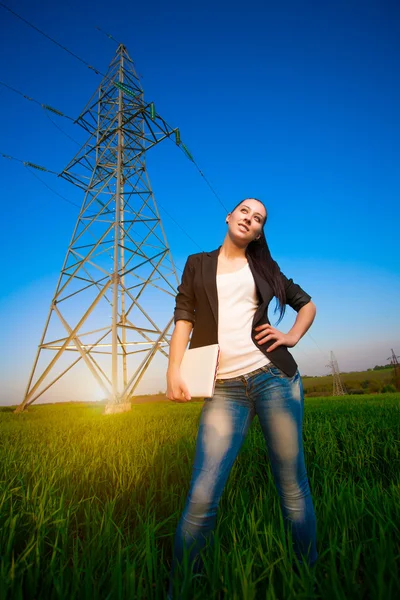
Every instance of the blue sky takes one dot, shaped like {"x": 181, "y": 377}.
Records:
{"x": 295, "y": 103}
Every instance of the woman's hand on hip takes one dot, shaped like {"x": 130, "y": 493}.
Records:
{"x": 177, "y": 390}
{"x": 266, "y": 332}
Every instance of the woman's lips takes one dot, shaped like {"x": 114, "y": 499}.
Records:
{"x": 243, "y": 227}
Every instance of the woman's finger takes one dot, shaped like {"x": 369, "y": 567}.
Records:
{"x": 269, "y": 330}
{"x": 185, "y": 392}
{"x": 271, "y": 348}
{"x": 271, "y": 336}
{"x": 278, "y": 342}
{"x": 265, "y": 327}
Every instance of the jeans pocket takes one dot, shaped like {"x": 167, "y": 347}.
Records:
{"x": 276, "y": 372}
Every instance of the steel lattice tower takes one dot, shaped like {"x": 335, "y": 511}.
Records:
{"x": 118, "y": 253}
{"x": 338, "y": 386}
{"x": 396, "y": 368}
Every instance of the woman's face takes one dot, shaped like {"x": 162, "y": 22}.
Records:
{"x": 246, "y": 221}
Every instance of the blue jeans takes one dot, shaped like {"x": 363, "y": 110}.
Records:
{"x": 278, "y": 400}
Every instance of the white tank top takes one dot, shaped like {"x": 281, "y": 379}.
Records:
{"x": 237, "y": 303}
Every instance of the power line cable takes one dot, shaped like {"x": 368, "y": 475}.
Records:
{"x": 184, "y": 149}
{"x": 84, "y": 62}
{"x": 322, "y": 352}
{"x": 51, "y": 39}
{"x": 180, "y": 227}
{"x": 116, "y": 41}
{"x": 60, "y": 129}
{"x": 44, "y": 106}
{"x": 29, "y": 164}
{"x": 108, "y": 35}
{"x": 52, "y": 190}
{"x": 210, "y": 186}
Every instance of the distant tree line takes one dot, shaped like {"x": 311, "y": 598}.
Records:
{"x": 352, "y": 388}
{"x": 364, "y": 382}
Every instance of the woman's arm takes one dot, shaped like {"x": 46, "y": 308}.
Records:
{"x": 185, "y": 299}
{"x": 176, "y": 387}
{"x": 179, "y": 342}
{"x": 305, "y": 317}
{"x": 184, "y": 318}
{"x": 303, "y": 322}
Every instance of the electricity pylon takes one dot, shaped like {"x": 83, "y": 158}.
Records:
{"x": 118, "y": 256}
{"x": 396, "y": 368}
{"x": 338, "y": 386}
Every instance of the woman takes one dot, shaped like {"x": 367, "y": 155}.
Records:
{"x": 223, "y": 298}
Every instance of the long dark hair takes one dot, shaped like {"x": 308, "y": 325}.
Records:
{"x": 266, "y": 266}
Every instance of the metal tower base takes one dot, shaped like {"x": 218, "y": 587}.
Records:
{"x": 112, "y": 409}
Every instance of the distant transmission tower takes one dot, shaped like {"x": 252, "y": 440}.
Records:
{"x": 118, "y": 273}
{"x": 396, "y": 368}
{"x": 338, "y": 386}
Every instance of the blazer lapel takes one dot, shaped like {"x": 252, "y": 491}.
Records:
{"x": 209, "y": 274}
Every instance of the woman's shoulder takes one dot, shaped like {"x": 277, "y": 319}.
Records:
{"x": 195, "y": 256}
{"x": 198, "y": 256}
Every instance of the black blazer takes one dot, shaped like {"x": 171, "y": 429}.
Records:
{"x": 197, "y": 301}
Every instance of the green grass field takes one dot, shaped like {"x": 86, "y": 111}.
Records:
{"x": 89, "y": 504}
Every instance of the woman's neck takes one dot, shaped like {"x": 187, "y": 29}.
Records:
{"x": 229, "y": 250}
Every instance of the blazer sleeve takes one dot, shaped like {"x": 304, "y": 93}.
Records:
{"x": 296, "y": 297}
{"x": 185, "y": 299}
